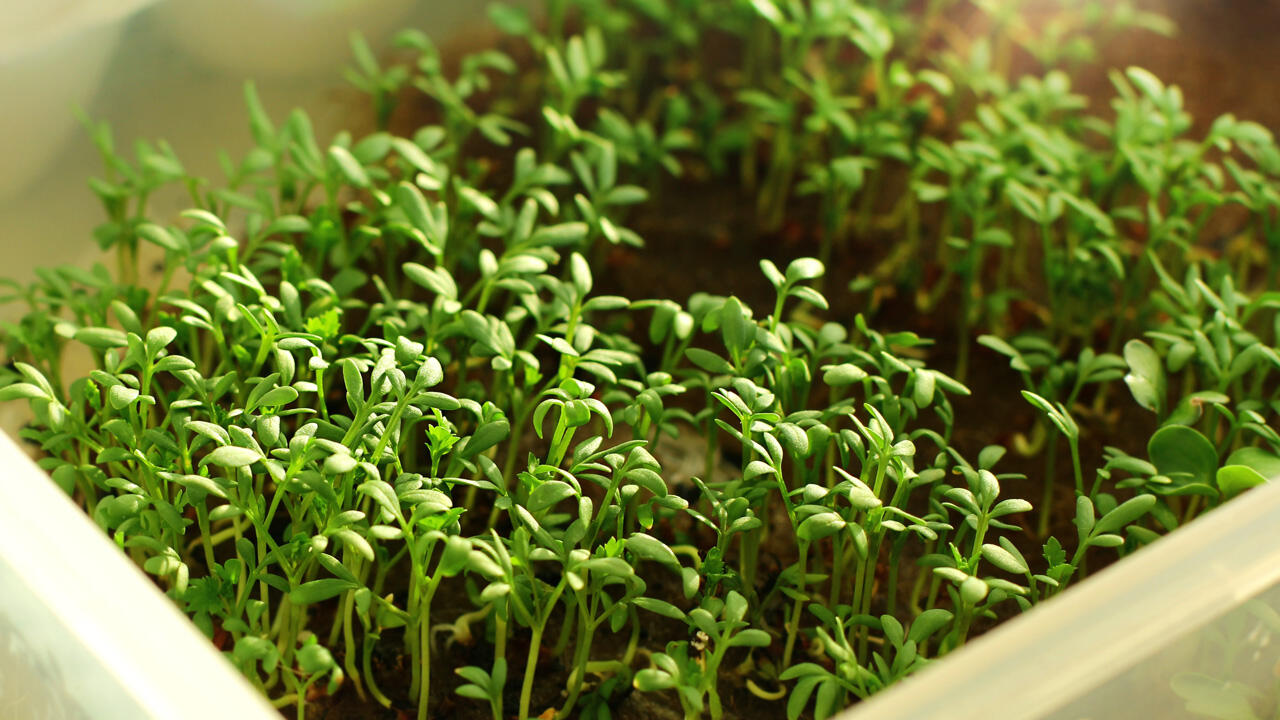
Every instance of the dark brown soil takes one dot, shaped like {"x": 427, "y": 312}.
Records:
{"x": 1224, "y": 58}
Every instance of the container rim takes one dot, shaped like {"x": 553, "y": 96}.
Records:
{"x": 1036, "y": 663}
{"x": 47, "y": 23}
{"x": 119, "y": 622}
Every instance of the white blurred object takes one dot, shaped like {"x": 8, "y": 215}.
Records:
{"x": 158, "y": 77}
{"x": 53, "y": 54}
{"x": 26, "y": 27}
{"x": 84, "y": 634}
{"x": 1111, "y": 647}
{"x": 276, "y": 37}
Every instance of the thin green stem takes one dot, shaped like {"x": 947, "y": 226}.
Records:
{"x": 793, "y": 626}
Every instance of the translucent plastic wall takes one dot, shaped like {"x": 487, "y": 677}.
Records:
{"x": 1187, "y": 628}
{"x": 83, "y": 633}
{"x": 172, "y": 71}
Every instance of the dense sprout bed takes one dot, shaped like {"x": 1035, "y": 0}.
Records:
{"x": 385, "y": 425}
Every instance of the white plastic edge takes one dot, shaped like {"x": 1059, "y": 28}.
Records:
{"x": 1063, "y": 649}
{"x": 29, "y": 27}
{"x": 109, "y": 607}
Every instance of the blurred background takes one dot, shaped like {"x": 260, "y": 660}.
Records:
{"x": 174, "y": 71}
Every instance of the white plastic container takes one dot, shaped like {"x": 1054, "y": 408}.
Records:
{"x": 53, "y": 55}
{"x": 275, "y": 37}
{"x": 1123, "y": 643}
{"x": 83, "y": 633}
{"x": 171, "y": 70}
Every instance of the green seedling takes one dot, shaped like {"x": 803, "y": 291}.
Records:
{"x": 692, "y": 667}
{"x": 376, "y": 371}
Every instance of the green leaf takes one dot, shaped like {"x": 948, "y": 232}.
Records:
{"x": 276, "y": 397}
{"x": 1057, "y": 414}
{"x": 801, "y": 693}
{"x": 843, "y": 374}
{"x": 548, "y": 494}
{"x": 647, "y": 547}
{"x": 1009, "y": 507}
{"x": 650, "y": 680}
{"x": 703, "y": 620}
{"x": 383, "y": 494}
{"x": 319, "y": 590}
{"x": 339, "y": 464}
{"x": 161, "y": 237}
{"x": 805, "y": 268}
{"x": 356, "y": 543}
{"x": 22, "y": 391}
{"x": 510, "y": 19}
{"x": 438, "y": 400}
{"x": 755, "y": 469}
{"x": 159, "y": 338}
{"x": 100, "y": 338}
{"x": 1235, "y": 479}
{"x": 200, "y": 485}
{"x": 1004, "y": 559}
{"x": 973, "y": 590}
{"x": 1026, "y": 201}
{"x": 1016, "y": 361}
{"x": 769, "y": 11}
{"x": 436, "y": 280}
{"x": 314, "y": 659}
{"x": 1183, "y": 454}
{"x": 349, "y": 166}
{"x": 457, "y": 552}
{"x": 1146, "y": 82}
{"x": 475, "y": 692}
{"x": 1265, "y": 463}
{"x": 816, "y": 527}
{"x": 288, "y": 224}
{"x": 772, "y": 272}
{"x": 410, "y": 201}
{"x": 925, "y": 383}
{"x": 121, "y": 396}
{"x": 751, "y": 637}
{"x": 861, "y": 497}
{"x": 691, "y": 580}
{"x": 928, "y": 623}
{"x": 259, "y": 122}
{"x": 1106, "y": 540}
{"x": 737, "y": 328}
{"x": 708, "y": 361}
{"x": 580, "y": 273}
{"x": 811, "y": 296}
{"x": 1214, "y": 697}
{"x": 1192, "y": 407}
{"x": 570, "y": 233}
{"x": 1086, "y": 516}
{"x": 793, "y": 439}
{"x": 614, "y": 567}
{"x": 660, "y": 607}
{"x": 1146, "y": 379}
{"x": 1125, "y": 513}
{"x": 230, "y": 456}
{"x": 485, "y": 437}
{"x": 216, "y": 433}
